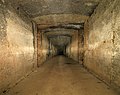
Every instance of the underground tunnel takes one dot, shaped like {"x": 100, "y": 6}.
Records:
{"x": 59, "y": 47}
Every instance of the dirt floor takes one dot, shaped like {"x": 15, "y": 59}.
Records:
{"x": 61, "y": 76}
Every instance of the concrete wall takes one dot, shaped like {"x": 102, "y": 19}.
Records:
{"x": 17, "y": 54}
{"x": 102, "y": 44}
{"x": 72, "y": 48}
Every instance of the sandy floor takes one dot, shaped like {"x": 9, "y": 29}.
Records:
{"x": 58, "y": 77}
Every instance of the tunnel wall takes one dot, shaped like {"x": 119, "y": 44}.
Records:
{"x": 17, "y": 55}
{"x": 81, "y": 45}
{"x": 52, "y": 50}
{"x": 43, "y": 46}
{"x": 102, "y": 42}
{"x": 45, "y": 49}
{"x": 72, "y": 48}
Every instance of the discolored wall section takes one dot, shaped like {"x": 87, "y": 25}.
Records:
{"x": 17, "y": 50}
{"x": 102, "y": 45}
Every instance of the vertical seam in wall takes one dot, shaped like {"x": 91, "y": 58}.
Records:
{"x": 113, "y": 41}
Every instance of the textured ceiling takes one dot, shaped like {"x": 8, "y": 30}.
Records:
{"x": 45, "y": 7}
{"x": 59, "y": 19}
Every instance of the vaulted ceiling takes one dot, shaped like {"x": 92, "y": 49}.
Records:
{"x": 58, "y": 18}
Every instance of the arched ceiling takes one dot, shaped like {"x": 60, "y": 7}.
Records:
{"x": 57, "y": 18}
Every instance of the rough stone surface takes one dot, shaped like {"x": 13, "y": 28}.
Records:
{"x": 16, "y": 46}
{"x": 116, "y": 42}
{"x": 44, "y": 48}
{"x": 45, "y": 7}
{"x": 72, "y": 48}
{"x": 102, "y": 45}
{"x": 81, "y": 45}
{"x": 60, "y": 23}
{"x": 58, "y": 19}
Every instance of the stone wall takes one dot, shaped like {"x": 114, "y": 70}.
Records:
{"x": 17, "y": 54}
{"x": 45, "y": 48}
{"x": 72, "y": 48}
{"x": 102, "y": 44}
{"x": 115, "y": 70}
{"x": 81, "y": 45}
